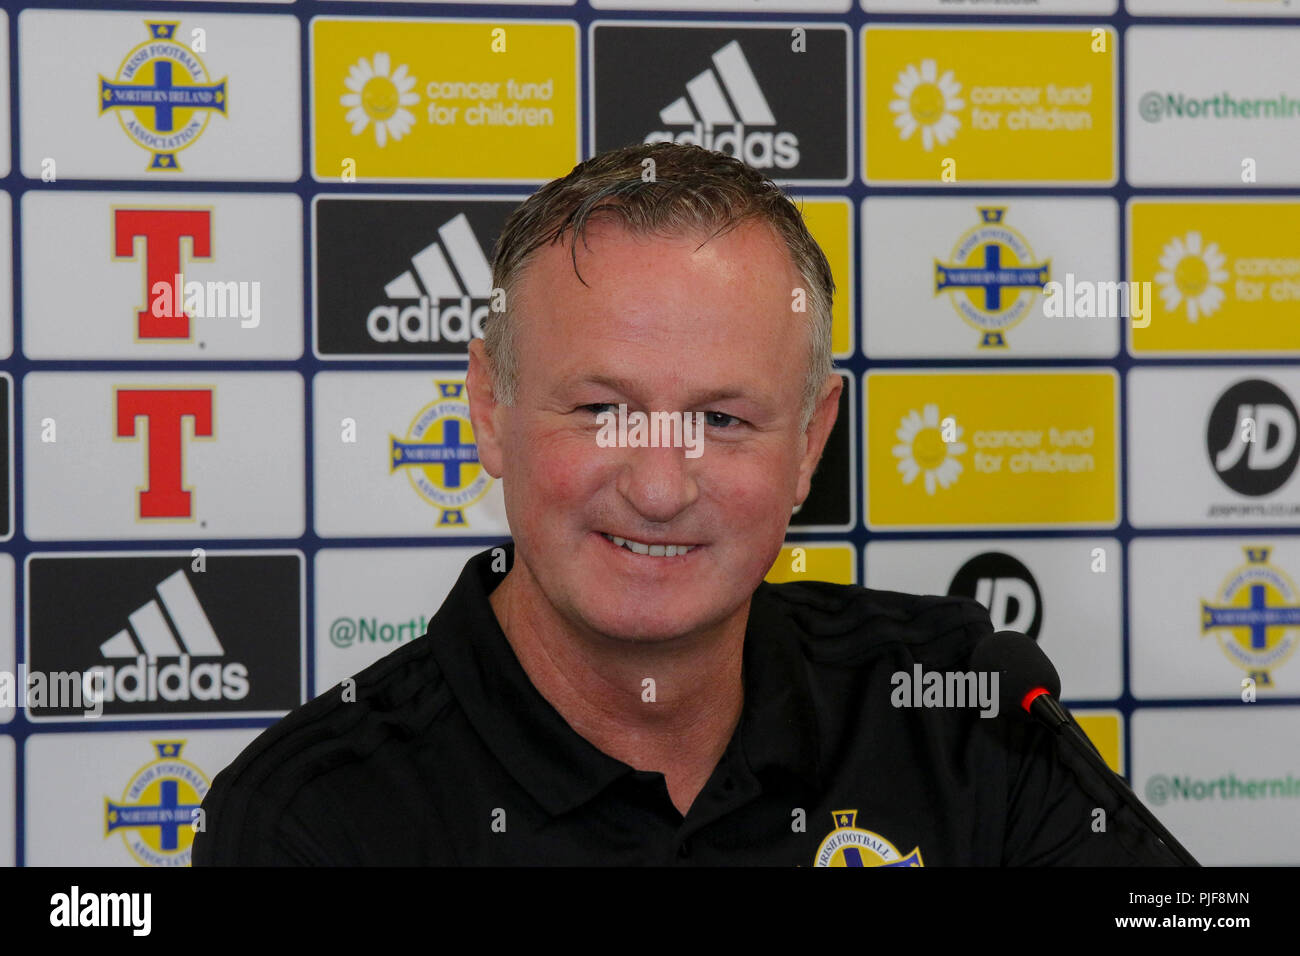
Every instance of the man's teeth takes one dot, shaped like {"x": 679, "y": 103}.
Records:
{"x": 654, "y": 550}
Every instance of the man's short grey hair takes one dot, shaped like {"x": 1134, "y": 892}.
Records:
{"x": 664, "y": 189}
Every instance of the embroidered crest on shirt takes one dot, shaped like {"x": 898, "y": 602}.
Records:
{"x": 848, "y": 845}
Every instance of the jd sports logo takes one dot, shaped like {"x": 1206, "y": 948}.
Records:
{"x": 1004, "y": 586}
{"x": 1251, "y": 437}
{"x": 724, "y": 109}
{"x": 163, "y": 635}
{"x": 778, "y": 103}
{"x": 403, "y": 276}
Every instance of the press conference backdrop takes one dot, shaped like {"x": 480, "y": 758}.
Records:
{"x": 247, "y": 243}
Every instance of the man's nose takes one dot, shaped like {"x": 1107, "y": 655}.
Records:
{"x": 658, "y": 482}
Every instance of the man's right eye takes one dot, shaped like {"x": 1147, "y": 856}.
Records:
{"x": 597, "y": 407}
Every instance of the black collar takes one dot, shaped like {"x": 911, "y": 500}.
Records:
{"x": 559, "y": 767}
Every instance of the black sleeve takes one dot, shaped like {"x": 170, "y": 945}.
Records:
{"x": 243, "y": 828}
{"x": 1054, "y": 799}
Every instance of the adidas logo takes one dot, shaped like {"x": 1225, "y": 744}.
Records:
{"x": 720, "y": 106}
{"x": 193, "y": 637}
{"x": 433, "y": 279}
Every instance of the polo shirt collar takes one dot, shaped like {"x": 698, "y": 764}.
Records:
{"x": 560, "y": 768}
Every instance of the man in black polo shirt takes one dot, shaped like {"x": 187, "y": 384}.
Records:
{"x": 618, "y": 685}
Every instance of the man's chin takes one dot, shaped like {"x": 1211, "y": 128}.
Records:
{"x": 636, "y": 626}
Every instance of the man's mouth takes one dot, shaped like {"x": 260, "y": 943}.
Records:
{"x": 652, "y": 550}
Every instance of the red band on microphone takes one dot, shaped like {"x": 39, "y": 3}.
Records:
{"x": 1029, "y": 698}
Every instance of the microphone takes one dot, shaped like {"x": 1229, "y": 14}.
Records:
{"x": 1028, "y": 682}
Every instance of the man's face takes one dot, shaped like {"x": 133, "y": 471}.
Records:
{"x": 663, "y": 324}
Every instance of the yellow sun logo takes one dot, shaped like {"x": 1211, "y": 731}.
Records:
{"x": 1190, "y": 274}
{"x": 922, "y": 449}
{"x": 927, "y": 101}
{"x": 377, "y": 97}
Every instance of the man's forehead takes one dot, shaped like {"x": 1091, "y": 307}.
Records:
{"x": 709, "y": 319}
{"x": 602, "y": 236}
{"x": 634, "y": 285}
{"x": 735, "y": 385}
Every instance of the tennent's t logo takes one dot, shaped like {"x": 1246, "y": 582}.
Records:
{"x": 162, "y": 231}
{"x": 165, "y": 495}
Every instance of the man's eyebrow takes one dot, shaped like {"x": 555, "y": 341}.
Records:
{"x": 627, "y": 387}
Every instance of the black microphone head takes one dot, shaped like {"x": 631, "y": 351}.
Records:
{"x": 1021, "y": 665}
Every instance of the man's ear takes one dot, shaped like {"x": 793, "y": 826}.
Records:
{"x": 819, "y": 428}
{"x": 484, "y": 409}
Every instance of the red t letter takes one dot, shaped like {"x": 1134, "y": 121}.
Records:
{"x": 162, "y": 230}
{"x": 164, "y": 408}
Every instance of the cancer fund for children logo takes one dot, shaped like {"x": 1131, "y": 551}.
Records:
{"x": 989, "y": 105}
{"x": 443, "y": 100}
{"x": 1191, "y": 276}
{"x": 378, "y": 97}
{"x": 928, "y": 447}
{"x": 992, "y": 449}
{"x": 928, "y": 103}
{"x": 1226, "y": 272}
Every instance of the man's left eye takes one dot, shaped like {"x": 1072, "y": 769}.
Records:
{"x": 720, "y": 419}
{"x": 713, "y": 419}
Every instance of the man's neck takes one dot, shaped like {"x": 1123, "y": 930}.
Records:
{"x": 679, "y": 725}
